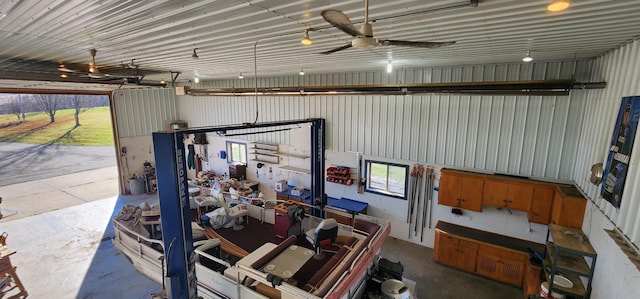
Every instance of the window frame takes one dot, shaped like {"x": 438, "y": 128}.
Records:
{"x": 374, "y": 190}
{"x": 230, "y": 145}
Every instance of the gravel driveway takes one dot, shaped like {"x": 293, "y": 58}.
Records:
{"x": 23, "y": 162}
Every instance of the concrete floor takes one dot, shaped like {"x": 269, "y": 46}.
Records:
{"x": 62, "y": 233}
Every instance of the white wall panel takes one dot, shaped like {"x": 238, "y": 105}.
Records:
{"x": 621, "y": 68}
{"x": 523, "y": 135}
{"x": 140, "y": 112}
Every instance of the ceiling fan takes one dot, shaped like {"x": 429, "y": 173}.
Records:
{"x": 364, "y": 37}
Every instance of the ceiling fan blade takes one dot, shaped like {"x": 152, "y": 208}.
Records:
{"x": 339, "y": 20}
{"x": 347, "y": 46}
{"x": 404, "y": 43}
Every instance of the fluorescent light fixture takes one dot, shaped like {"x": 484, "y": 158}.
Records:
{"x": 389, "y": 67}
{"x": 301, "y": 73}
{"x": 558, "y": 5}
{"x": 527, "y": 58}
{"x": 306, "y": 41}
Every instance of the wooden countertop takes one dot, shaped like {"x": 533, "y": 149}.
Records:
{"x": 489, "y": 238}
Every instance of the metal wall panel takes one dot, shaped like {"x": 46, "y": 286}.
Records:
{"x": 140, "y": 112}
{"x": 526, "y": 135}
{"x": 621, "y": 69}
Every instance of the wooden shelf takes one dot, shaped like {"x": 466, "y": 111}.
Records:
{"x": 295, "y": 169}
{"x": 578, "y": 288}
{"x": 294, "y": 155}
{"x": 571, "y": 239}
{"x": 569, "y": 262}
{"x": 264, "y": 161}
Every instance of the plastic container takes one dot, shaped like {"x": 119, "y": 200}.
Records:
{"x": 137, "y": 186}
{"x": 544, "y": 291}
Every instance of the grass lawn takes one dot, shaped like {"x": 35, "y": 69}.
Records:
{"x": 95, "y": 128}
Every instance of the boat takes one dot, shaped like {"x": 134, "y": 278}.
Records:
{"x": 225, "y": 269}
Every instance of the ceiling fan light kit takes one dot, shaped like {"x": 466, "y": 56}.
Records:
{"x": 558, "y": 5}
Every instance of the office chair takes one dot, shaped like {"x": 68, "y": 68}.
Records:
{"x": 323, "y": 235}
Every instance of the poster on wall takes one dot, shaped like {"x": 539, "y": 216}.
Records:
{"x": 624, "y": 133}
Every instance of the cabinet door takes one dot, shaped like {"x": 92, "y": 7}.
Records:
{"x": 540, "y": 211}
{"x": 571, "y": 211}
{"x": 448, "y": 250}
{"x": 467, "y": 252}
{"x": 511, "y": 268}
{"x": 471, "y": 193}
{"x": 449, "y": 193}
{"x": 487, "y": 263}
{"x": 520, "y": 196}
{"x": 495, "y": 193}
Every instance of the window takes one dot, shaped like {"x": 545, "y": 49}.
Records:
{"x": 237, "y": 152}
{"x": 387, "y": 178}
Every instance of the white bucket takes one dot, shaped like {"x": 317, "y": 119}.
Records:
{"x": 137, "y": 186}
{"x": 544, "y": 291}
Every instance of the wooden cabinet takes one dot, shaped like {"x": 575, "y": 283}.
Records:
{"x": 532, "y": 279}
{"x": 568, "y": 207}
{"x": 505, "y": 194}
{"x": 455, "y": 252}
{"x": 540, "y": 211}
{"x": 461, "y": 190}
{"x": 501, "y": 264}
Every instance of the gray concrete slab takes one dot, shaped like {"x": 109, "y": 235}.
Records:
{"x": 39, "y": 196}
{"x": 23, "y": 162}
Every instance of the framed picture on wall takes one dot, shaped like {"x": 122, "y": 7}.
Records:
{"x": 624, "y": 132}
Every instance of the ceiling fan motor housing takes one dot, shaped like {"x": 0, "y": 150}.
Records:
{"x": 364, "y": 42}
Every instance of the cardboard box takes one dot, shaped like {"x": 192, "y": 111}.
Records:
{"x": 281, "y": 186}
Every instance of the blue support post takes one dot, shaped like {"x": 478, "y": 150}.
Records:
{"x": 317, "y": 164}
{"x": 175, "y": 215}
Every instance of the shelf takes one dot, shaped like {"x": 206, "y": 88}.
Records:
{"x": 294, "y": 155}
{"x": 571, "y": 239}
{"x": 295, "y": 169}
{"x": 578, "y": 288}
{"x": 569, "y": 262}
{"x": 268, "y": 154}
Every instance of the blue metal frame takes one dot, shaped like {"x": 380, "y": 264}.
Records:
{"x": 169, "y": 152}
{"x": 169, "y": 155}
{"x": 318, "y": 144}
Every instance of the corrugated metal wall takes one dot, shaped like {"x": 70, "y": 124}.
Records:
{"x": 622, "y": 69}
{"x": 140, "y": 112}
{"x": 527, "y": 135}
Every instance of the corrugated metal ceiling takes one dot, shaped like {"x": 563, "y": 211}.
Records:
{"x": 161, "y": 35}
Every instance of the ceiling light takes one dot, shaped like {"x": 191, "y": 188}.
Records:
{"x": 91, "y": 69}
{"x": 240, "y": 76}
{"x": 194, "y": 56}
{"x": 306, "y": 40}
{"x": 196, "y": 76}
{"x": 162, "y": 81}
{"x": 527, "y": 58}
{"x": 63, "y": 75}
{"x": 389, "y": 67}
{"x": 558, "y": 5}
{"x": 301, "y": 73}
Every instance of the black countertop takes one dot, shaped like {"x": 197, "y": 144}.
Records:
{"x": 489, "y": 238}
